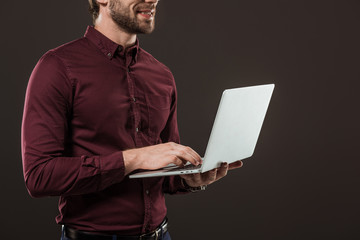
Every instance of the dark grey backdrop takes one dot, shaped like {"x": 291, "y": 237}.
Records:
{"x": 302, "y": 182}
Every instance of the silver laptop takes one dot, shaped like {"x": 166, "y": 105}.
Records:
{"x": 234, "y": 134}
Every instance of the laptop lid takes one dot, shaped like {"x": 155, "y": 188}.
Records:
{"x": 237, "y": 125}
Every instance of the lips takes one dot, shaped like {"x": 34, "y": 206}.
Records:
{"x": 146, "y": 13}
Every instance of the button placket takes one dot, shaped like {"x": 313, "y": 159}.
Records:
{"x": 135, "y": 107}
{"x": 147, "y": 205}
{"x": 136, "y": 115}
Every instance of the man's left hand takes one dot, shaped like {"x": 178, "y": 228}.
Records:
{"x": 206, "y": 178}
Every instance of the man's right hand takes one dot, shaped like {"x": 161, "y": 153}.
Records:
{"x": 159, "y": 156}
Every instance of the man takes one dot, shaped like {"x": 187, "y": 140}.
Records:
{"x": 97, "y": 109}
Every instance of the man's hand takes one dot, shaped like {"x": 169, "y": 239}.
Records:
{"x": 159, "y": 156}
{"x": 206, "y": 178}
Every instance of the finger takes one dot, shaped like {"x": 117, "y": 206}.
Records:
{"x": 209, "y": 177}
{"x": 178, "y": 151}
{"x": 222, "y": 171}
{"x": 193, "y": 180}
{"x": 192, "y": 177}
{"x": 234, "y": 165}
{"x": 187, "y": 154}
{"x": 177, "y": 161}
{"x": 196, "y": 177}
{"x": 193, "y": 154}
{"x": 187, "y": 177}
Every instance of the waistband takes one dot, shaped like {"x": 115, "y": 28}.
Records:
{"x": 82, "y": 235}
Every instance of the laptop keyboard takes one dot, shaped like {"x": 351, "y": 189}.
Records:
{"x": 186, "y": 167}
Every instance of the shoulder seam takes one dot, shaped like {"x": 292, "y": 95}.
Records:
{"x": 68, "y": 74}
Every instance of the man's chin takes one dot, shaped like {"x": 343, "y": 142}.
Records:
{"x": 146, "y": 30}
{"x": 146, "y": 26}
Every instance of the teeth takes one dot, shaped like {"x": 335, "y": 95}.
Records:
{"x": 148, "y": 13}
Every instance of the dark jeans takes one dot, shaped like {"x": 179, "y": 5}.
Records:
{"x": 165, "y": 236}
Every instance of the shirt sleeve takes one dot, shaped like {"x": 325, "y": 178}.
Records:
{"x": 48, "y": 169}
{"x": 172, "y": 184}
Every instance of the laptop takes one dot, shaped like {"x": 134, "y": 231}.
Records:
{"x": 234, "y": 134}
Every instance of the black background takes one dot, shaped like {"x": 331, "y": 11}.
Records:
{"x": 303, "y": 180}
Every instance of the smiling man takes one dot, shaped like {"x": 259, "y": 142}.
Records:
{"x": 97, "y": 109}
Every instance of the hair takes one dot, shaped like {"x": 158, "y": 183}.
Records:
{"x": 94, "y": 9}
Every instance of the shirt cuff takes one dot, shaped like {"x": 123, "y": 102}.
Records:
{"x": 112, "y": 169}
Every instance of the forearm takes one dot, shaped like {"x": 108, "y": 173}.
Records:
{"x": 55, "y": 176}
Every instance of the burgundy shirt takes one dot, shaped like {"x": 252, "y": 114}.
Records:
{"x": 86, "y": 102}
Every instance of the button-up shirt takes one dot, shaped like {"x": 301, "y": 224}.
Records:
{"x": 86, "y": 102}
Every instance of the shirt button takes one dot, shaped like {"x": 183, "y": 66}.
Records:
{"x": 134, "y": 99}
{"x": 109, "y": 54}
{"x": 147, "y": 192}
{"x": 137, "y": 129}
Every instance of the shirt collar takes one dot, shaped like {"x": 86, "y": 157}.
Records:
{"x": 107, "y": 46}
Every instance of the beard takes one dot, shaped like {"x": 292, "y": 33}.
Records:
{"x": 122, "y": 17}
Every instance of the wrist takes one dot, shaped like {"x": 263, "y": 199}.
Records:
{"x": 130, "y": 162}
{"x": 189, "y": 188}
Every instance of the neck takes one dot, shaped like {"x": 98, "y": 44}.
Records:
{"x": 112, "y": 31}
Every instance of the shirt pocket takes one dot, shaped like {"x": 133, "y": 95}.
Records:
{"x": 158, "y": 107}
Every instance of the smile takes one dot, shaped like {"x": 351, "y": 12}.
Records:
{"x": 147, "y": 13}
